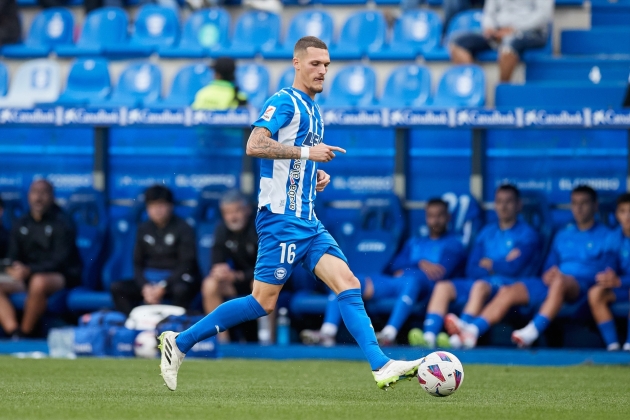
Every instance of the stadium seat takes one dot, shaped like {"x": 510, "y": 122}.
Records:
{"x": 88, "y": 80}
{"x": 286, "y": 78}
{"x": 35, "y": 81}
{"x": 353, "y": 86}
{"x": 363, "y": 31}
{"x": 51, "y": 27}
{"x": 407, "y": 86}
{"x": 415, "y": 33}
{"x": 308, "y": 23}
{"x": 466, "y": 216}
{"x": 138, "y": 83}
{"x": 577, "y": 69}
{"x": 558, "y": 95}
{"x": 610, "y": 13}
{"x": 155, "y": 27}
{"x": 254, "y": 32}
{"x": 14, "y": 206}
{"x": 461, "y": 86}
{"x": 205, "y": 31}
{"x": 253, "y": 80}
{"x": 608, "y": 40}
{"x": 187, "y": 82}
{"x": 4, "y": 79}
{"x": 102, "y": 28}
{"x": 207, "y": 216}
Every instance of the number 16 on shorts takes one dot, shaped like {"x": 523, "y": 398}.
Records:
{"x": 287, "y": 253}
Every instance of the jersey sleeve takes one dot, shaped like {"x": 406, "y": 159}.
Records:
{"x": 452, "y": 257}
{"x": 276, "y": 113}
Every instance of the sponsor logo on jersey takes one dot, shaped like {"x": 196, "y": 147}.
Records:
{"x": 269, "y": 113}
{"x": 294, "y": 178}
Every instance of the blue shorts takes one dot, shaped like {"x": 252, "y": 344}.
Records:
{"x": 536, "y": 289}
{"x": 517, "y": 43}
{"x": 391, "y": 287}
{"x": 285, "y": 241}
{"x": 464, "y": 286}
{"x": 622, "y": 294}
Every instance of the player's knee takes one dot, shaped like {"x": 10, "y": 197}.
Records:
{"x": 481, "y": 287}
{"x": 352, "y": 282}
{"x": 596, "y": 295}
{"x": 444, "y": 289}
{"x": 37, "y": 284}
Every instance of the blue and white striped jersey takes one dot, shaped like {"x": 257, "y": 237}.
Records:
{"x": 288, "y": 186}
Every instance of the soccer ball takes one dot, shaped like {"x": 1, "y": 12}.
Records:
{"x": 440, "y": 374}
{"x": 145, "y": 345}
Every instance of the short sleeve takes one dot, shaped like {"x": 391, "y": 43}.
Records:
{"x": 277, "y": 112}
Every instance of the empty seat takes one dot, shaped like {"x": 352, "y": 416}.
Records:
{"x": 577, "y": 69}
{"x": 35, "y": 81}
{"x": 253, "y": 80}
{"x": 155, "y": 27}
{"x": 461, "y": 86}
{"x": 254, "y": 32}
{"x": 138, "y": 83}
{"x": 4, "y": 79}
{"x": 607, "y": 13}
{"x": 567, "y": 95}
{"x": 50, "y": 28}
{"x": 88, "y": 80}
{"x": 204, "y": 31}
{"x": 407, "y": 86}
{"x": 596, "y": 41}
{"x": 308, "y": 23}
{"x": 187, "y": 82}
{"x": 363, "y": 31}
{"x": 415, "y": 33}
{"x": 354, "y": 85}
{"x": 287, "y": 77}
{"x": 104, "y": 27}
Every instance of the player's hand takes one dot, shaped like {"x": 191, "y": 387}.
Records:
{"x": 608, "y": 278}
{"x": 550, "y": 275}
{"x": 486, "y": 263}
{"x": 18, "y": 271}
{"x": 323, "y": 179}
{"x": 499, "y": 34}
{"x": 323, "y": 152}
{"x": 488, "y": 33}
{"x": 221, "y": 271}
{"x": 433, "y": 271}
{"x": 513, "y": 254}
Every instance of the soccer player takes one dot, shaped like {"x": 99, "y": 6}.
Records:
{"x": 578, "y": 253}
{"x": 421, "y": 263}
{"x": 502, "y": 251}
{"x": 613, "y": 284}
{"x": 289, "y": 136}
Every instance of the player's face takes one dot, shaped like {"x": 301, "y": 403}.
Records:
{"x": 623, "y": 216}
{"x": 437, "y": 218}
{"x": 583, "y": 208}
{"x": 235, "y": 215}
{"x": 311, "y": 67}
{"x": 40, "y": 197}
{"x": 159, "y": 212}
{"x": 506, "y": 205}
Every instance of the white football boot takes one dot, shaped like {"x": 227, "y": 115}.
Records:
{"x": 526, "y": 336}
{"x": 395, "y": 370}
{"x": 171, "y": 358}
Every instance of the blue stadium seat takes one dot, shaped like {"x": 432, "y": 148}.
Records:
{"x": 577, "y": 69}
{"x": 50, "y": 28}
{"x": 56, "y": 302}
{"x": 286, "y": 78}
{"x": 610, "y": 13}
{"x": 363, "y": 31}
{"x": 461, "y": 86}
{"x": 187, "y": 82}
{"x": 155, "y": 27}
{"x": 408, "y": 85}
{"x": 205, "y": 31}
{"x": 415, "y": 33}
{"x": 353, "y": 86}
{"x": 104, "y": 27}
{"x": 466, "y": 21}
{"x": 88, "y": 80}
{"x": 308, "y": 23}
{"x": 567, "y": 95}
{"x": 207, "y": 216}
{"x": 35, "y": 82}
{"x": 138, "y": 83}
{"x": 608, "y": 40}
{"x": 14, "y": 206}
{"x": 4, "y": 79}
{"x": 254, "y": 33}
{"x": 253, "y": 80}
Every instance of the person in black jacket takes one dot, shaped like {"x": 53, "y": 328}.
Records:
{"x": 164, "y": 260}
{"x": 43, "y": 259}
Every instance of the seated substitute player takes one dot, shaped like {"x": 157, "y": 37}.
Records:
{"x": 289, "y": 136}
{"x": 420, "y": 264}
{"x": 613, "y": 284}
{"x": 577, "y": 254}
{"x": 502, "y": 251}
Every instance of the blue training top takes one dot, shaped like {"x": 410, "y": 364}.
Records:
{"x": 619, "y": 246}
{"x": 287, "y": 186}
{"x": 496, "y": 244}
{"x": 446, "y": 250}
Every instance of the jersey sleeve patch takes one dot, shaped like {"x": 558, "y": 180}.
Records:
{"x": 269, "y": 113}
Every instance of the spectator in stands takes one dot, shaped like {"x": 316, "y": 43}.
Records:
{"x": 164, "y": 258}
{"x": 502, "y": 252}
{"x": 222, "y": 93}
{"x": 233, "y": 254}
{"x": 4, "y": 235}
{"x": 10, "y": 26}
{"x": 44, "y": 259}
{"x": 578, "y": 253}
{"x": 511, "y": 27}
{"x": 420, "y": 265}
{"x": 613, "y": 284}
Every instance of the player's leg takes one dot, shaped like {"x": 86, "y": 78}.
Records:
{"x": 599, "y": 299}
{"x": 479, "y": 294}
{"x": 40, "y": 286}
{"x": 560, "y": 290}
{"x": 443, "y": 294}
{"x": 8, "y": 318}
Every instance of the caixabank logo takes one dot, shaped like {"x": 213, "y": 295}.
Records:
{"x": 418, "y": 117}
{"x": 155, "y": 117}
{"x": 541, "y": 117}
{"x": 353, "y": 117}
{"x": 237, "y": 117}
{"x": 90, "y": 116}
{"x": 485, "y": 117}
{"x": 611, "y": 117}
{"x": 28, "y": 116}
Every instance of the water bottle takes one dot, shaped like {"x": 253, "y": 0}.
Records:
{"x": 264, "y": 330}
{"x": 283, "y": 331}
{"x": 61, "y": 343}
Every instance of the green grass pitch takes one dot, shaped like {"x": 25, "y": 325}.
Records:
{"x": 259, "y": 389}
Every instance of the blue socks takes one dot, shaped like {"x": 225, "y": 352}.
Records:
{"x": 433, "y": 323}
{"x": 541, "y": 323}
{"x": 227, "y": 315}
{"x": 482, "y": 325}
{"x": 332, "y": 314}
{"x": 609, "y": 332}
{"x": 360, "y": 326}
{"x": 467, "y": 318}
{"x": 405, "y": 302}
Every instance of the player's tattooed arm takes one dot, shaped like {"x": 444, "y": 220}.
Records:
{"x": 261, "y": 145}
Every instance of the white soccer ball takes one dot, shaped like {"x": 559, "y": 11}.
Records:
{"x": 145, "y": 345}
{"x": 440, "y": 374}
